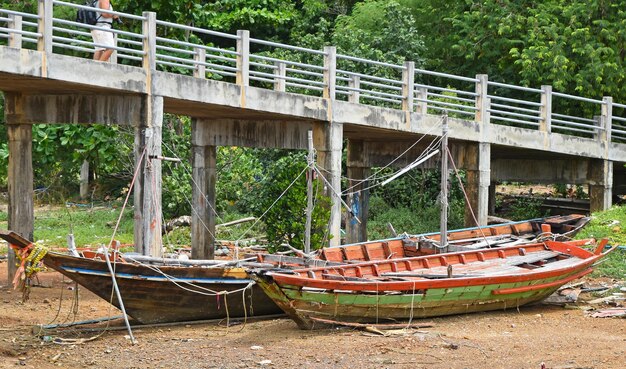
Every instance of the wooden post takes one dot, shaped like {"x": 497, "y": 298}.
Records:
{"x": 309, "y": 194}
{"x": 84, "y": 180}
{"x": 443, "y": 228}
{"x": 358, "y": 196}
{"x": 15, "y": 39}
{"x": 204, "y": 170}
{"x": 243, "y": 58}
{"x": 147, "y": 193}
{"x": 328, "y": 142}
{"x": 20, "y": 178}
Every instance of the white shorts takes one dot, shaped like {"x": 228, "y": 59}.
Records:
{"x": 102, "y": 38}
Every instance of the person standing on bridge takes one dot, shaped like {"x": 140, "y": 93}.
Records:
{"x": 101, "y": 37}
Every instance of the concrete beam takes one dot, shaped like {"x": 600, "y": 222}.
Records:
{"x": 548, "y": 171}
{"x": 147, "y": 191}
{"x": 20, "y": 178}
{"x": 264, "y": 134}
{"x": 328, "y": 142}
{"x": 358, "y": 194}
{"x": 82, "y": 109}
{"x": 203, "y": 214}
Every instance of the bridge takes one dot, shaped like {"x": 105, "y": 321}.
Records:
{"x": 243, "y": 91}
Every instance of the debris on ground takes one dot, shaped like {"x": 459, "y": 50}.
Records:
{"x": 608, "y": 313}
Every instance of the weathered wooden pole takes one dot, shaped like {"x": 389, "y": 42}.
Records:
{"x": 309, "y": 194}
{"x": 20, "y": 178}
{"x": 444, "y": 184}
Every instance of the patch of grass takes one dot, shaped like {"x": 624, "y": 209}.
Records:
{"x": 411, "y": 221}
{"x": 609, "y": 224}
{"x": 91, "y": 226}
{"x": 4, "y": 218}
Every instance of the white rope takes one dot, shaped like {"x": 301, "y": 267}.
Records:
{"x": 199, "y": 289}
{"x": 274, "y": 203}
{"x": 372, "y": 176}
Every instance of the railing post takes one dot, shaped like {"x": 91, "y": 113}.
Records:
{"x": 280, "y": 84}
{"x": 355, "y": 83}
{"x": 15, "y": 39}
{"x": 113, "y": 58}
{"x": 408, "y": 86}
{"x": 200, "y": 58}
{"x": 330, "y": 71}
{"x": 545, "y": 124}
{"x": 422, "y": 100}
{"x": 243, "y": 58}
{"x": 482, "y": 103}
{"x": 606, "y": 122}
{"x": 149, "y": 41}
{"x": 44, "y": 26}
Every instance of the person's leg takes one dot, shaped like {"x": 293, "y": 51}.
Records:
{"x": 105, "y": 55}
{"x": 97, "y": 55}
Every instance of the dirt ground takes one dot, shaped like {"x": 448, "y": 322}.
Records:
{"x": 558, "y": 337}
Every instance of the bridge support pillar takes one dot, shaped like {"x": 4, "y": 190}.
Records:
{"x": 478, "y": 165}
{"x": 328, "y": 142}
{"x": 600, "y": 184}
{"x": 20, "y": 180}
{"x": 147, "y": 191}
{"x": 203, "y": 215}
{"x": 358, "y": 194}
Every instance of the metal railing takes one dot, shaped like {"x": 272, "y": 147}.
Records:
{"x": 247, "y": 61}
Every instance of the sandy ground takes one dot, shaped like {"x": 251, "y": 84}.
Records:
{"x": 558, "y": 337}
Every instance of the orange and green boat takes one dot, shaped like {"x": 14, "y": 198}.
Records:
{"x": 427, "y": 286}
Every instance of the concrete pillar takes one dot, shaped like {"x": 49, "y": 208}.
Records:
{"x": 200, "y": 58}
{"x": 478, "y": 159}
{"x": 149, "y": 41}
{"x": 328, "y": 142}
{"x": 600, "y": 184}
{"x": 44, "y": 26}
{"x": 601, "y": 171}
{"x": 330, "y": 72}
{"x": 358, "y": 196}
{"x": 203, "y": 163}
{"x": 280, "y": 83}
{"x": 147, "y": 192}
{"x": 20, "y": 178}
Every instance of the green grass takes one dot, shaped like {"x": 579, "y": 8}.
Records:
{"x": 91, "y": 227}
{"x": 609, "y": 224}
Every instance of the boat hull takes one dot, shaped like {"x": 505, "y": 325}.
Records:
{"x": 307, "y": 306}
{"x": 185, "y": 294}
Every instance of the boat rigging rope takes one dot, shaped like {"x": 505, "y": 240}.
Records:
{"x": 272, "y": 205}
{"x": 197, "y": 186}
{"x": 373, "y": 176}
{"x": 469, "y": 205}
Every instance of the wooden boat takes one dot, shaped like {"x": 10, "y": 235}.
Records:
{"x": 162, "y": 293}
{"x": 559, "y": 228}
{"x": 426, "y": 286}
{"x": 162, "y": 290}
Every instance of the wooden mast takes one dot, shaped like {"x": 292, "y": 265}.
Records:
{"x": 444, "y": 184}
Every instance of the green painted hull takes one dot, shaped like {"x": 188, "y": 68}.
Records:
{"x": 303, "y": 304}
